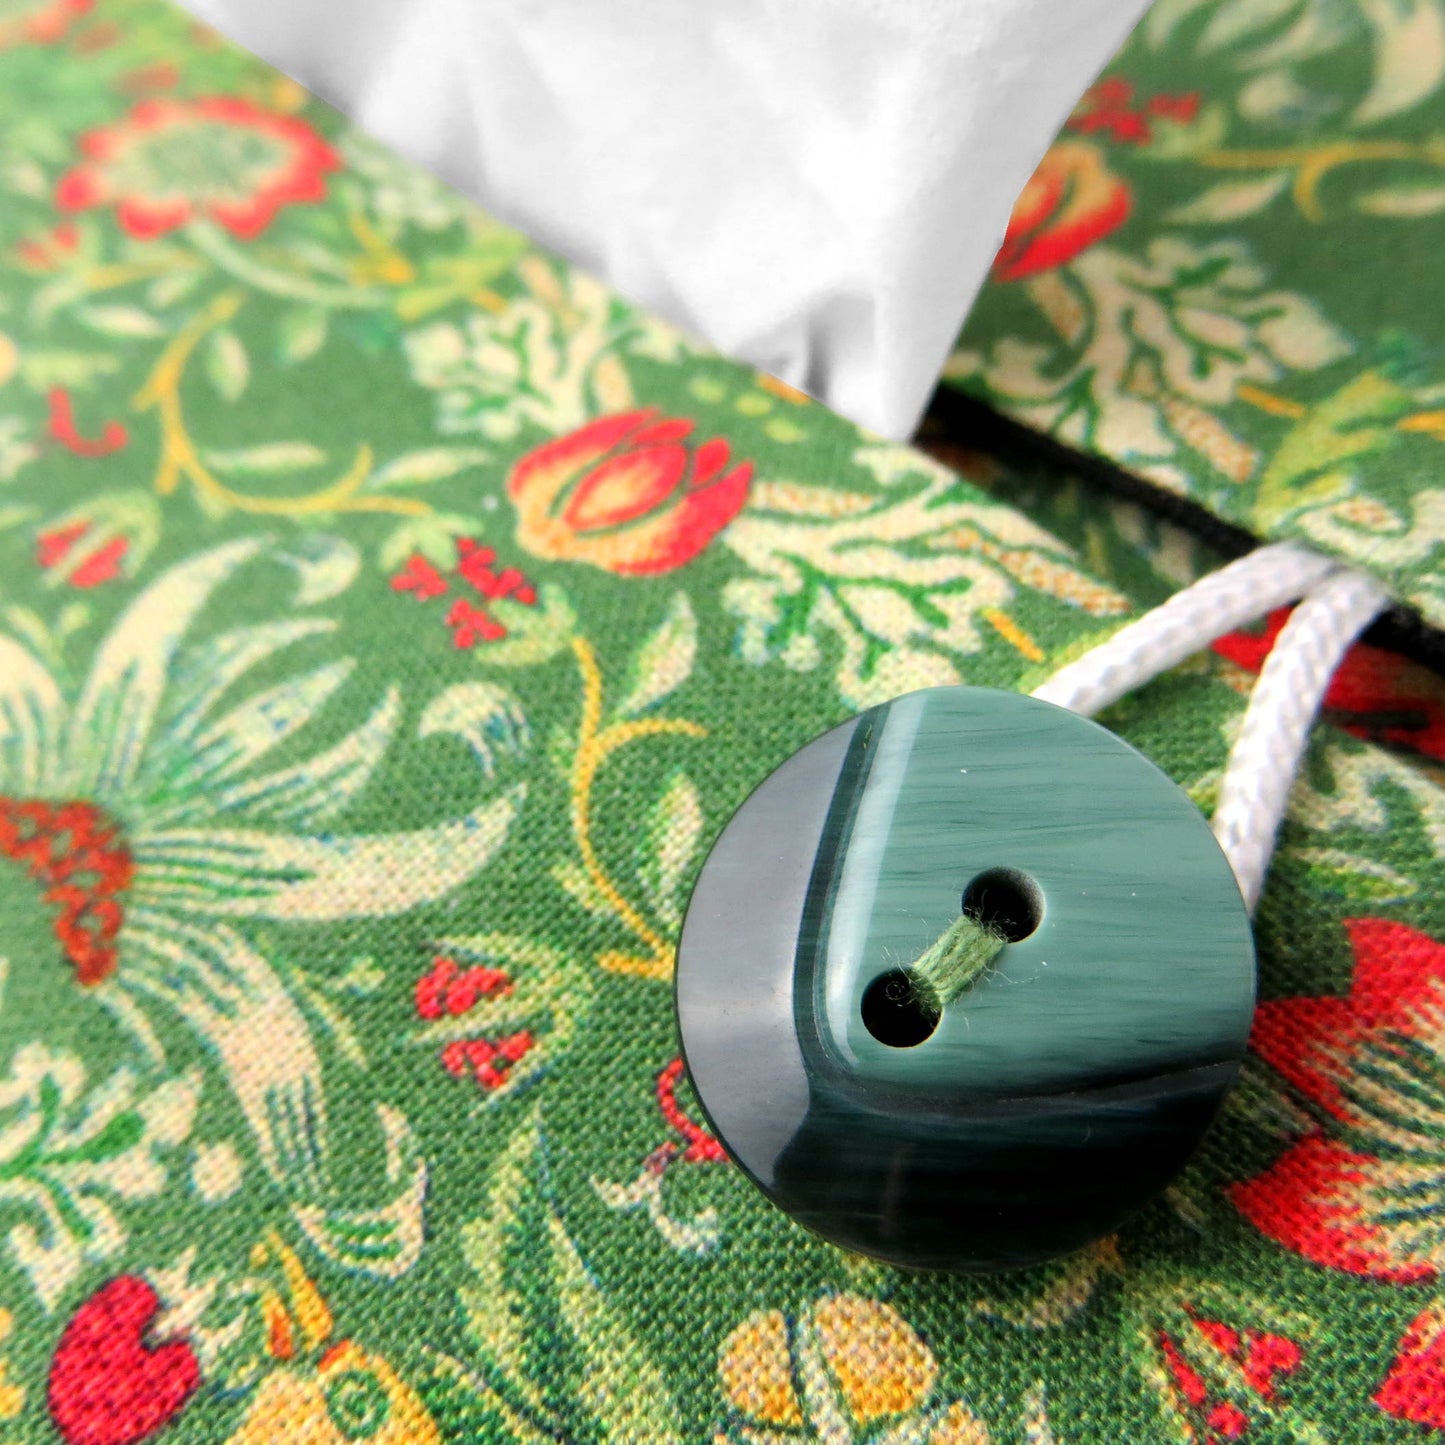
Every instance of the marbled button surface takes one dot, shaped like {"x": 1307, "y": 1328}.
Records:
{"x": 1068, "y": 1085}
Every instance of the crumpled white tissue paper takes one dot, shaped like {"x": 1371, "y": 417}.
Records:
{"x": 816, "y": 187}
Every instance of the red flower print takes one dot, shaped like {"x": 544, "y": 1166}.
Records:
{"x": 487, "y": 1061}
{"x": 62, "y": 429}
{"x": 80, "y": 860}
{"x": 219, "y": 158}
{"x": 40, "y": 22}
{"x": 1071, "y": 201}
{"x": 97, "y": 36}
{"x": 49, "y": 251}
{"x": 471, "y": 624}
{"x": 1362, "y": 1192}
{"x": 469, "y": 621}
{"x": 90, "y": 567}
{"x": 1415, "y": 1387}
{"x": 691, "y": 1144}
{"x": 110, "y": 1385}
{"x": 629, "y": 494}
{"x": 106, "y": 537}
{"x": 421, "y": 579}
{"x": 1375, "y": 694}
{"x": 701, "y": 1146}
{"x": 449, "y": 990}
{"x": 1199, "y": 1372}
{"x": 1182, "y": 108}
{"x": 145, "y": 80}
{"x": 474, "y": 564}
{"x": 1107, "y": 107}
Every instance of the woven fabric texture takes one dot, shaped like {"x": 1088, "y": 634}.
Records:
{"x": 1225, "y": 276}
{"x": 389, "y": 618}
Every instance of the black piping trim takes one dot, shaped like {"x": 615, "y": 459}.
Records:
{"x": 957, "y": 419}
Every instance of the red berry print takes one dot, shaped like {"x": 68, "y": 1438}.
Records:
{"x": 421, "y": 578}
{"x": 469, "y": 620}
{"x": 112, "y": 438}
{"x": 471, "y": 625}
{"x": 80, "y": 860}
{"x": 1109, "y": 107}
{"x": 488, "y": 1062}
{"x": 701, "y": 1146}
{"x": 1262, "y": 1359}
{"x": 449, "y": 990}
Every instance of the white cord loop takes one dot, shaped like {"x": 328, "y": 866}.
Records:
{"x": 1270, "y": 747}
{"x": 1187, "y": 623}
{"x": 1338, "y": 605}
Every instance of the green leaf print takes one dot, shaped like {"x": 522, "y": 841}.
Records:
{"x": 1312, "y": 463}
{"x": 556, "y": 1358}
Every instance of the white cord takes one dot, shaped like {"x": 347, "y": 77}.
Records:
{"x": 1187, "y": 623}
{"x": 1338, "y": 605}
{"x": 1271, "y": 742}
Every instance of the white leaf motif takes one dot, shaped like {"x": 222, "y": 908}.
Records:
{"x": 30, "y": 718}
{"x": 554, "y": 358}
{"x": 112, "y": 721}
{"x": 1181, "y": 323}
{"x": 121, "y": 321}
{"x": 1275, "y": 41}
{"x": 1409, "y": 56}
{"x": 1230, "y": 201}
{"x": 325, "y": 567}
{"x": 265, "y": 719}
{"x": 664, "y": 661}
{"x": 385, "y": 1241}
{"x": 227, "y": 364}
{"x": 1404, "y": 201}
{"x": 301, "y": 334}
{"x": 171, "y": 746}
{"x": 484, "y": 716}
{"x": 907, "y": 588}
{"x": 318, "y": 789}
{"x": 269, "y": 459}
{"x": 234, "y": 999}
{"x": 74, "y": 1158}
{"x": 246, "y": 873}
{"x": 674, "y": 831}
{"x": 432, "y": 464}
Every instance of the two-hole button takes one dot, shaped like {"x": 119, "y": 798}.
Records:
{"x": 1078, "y": 1064}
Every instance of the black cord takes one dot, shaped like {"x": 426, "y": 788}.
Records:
{"x": 957, "y": 419}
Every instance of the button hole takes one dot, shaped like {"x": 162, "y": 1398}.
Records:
{"x": 894, "y": 1013}
{"x": 1006, "y": 902}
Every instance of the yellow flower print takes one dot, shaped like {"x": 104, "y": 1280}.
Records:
{"x": 317, "y": 1390}
{"x": 849, "y": 1369}
{"x": 756, "y": 1370}
{"x": 881, "y": 1367}
{"x": 12, "y": 1396}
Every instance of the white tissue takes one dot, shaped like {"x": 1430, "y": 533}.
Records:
{"x": 815, "y": 186}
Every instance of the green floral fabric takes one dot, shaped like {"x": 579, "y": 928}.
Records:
{"x": 389, "y": 619}
{"x": 1225, "y": 276}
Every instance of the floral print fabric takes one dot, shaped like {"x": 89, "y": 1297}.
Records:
{"x": 389, "y": 619}
{"x": 1222, "y": 277}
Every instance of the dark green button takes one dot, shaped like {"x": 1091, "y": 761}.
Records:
{"x": 1059, "y": 1092}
